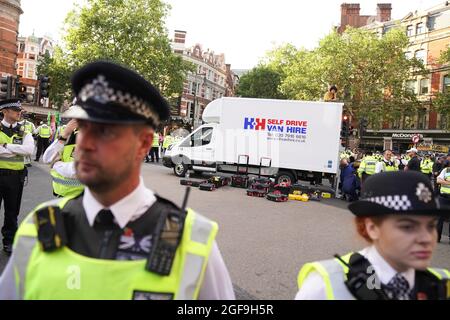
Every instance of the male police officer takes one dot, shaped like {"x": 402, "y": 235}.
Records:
{"x": 15, "y": 145}
{"x": 44, "y": 132}
{"x": 60, "y": 156}
{"x": 117, "y": 240}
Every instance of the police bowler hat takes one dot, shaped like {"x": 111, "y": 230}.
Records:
{"x": 15, "y": 104}
{"x": 401, "y": 192}
{"x": 106, "y": 92}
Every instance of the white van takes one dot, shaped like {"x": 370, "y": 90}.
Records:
{"x": 300, "y": 138}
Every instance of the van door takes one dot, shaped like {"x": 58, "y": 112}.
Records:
{"x": 202, "y": 151}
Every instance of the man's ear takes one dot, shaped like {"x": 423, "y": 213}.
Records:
{"x": 145, "y": 139}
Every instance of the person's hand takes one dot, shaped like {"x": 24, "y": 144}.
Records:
{"x": 71, "y": 126}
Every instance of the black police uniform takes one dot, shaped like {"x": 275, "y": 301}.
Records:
{"x": 11, "y": 181}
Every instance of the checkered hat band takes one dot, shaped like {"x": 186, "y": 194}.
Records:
{"x": 11, "y": 105}
{"x": 396, "y": 202}
{"x": 100, "y": 91}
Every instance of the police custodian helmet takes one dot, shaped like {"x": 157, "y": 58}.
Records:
{"x": 109, "y": 93}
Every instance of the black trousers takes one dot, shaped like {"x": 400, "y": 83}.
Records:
{"x": 11, "y": 187}
{"x": 42, "y": 145}
{"x": 154, "y": 153}
{"x": 445, "y": 203}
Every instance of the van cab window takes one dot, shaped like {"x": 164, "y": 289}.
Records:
{"x": 199, "y": 138}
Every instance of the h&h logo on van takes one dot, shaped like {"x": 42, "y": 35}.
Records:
{"x": 255, "y": 123}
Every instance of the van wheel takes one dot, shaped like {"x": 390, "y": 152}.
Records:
{"x": 284, "y": 176}
{"x": 180, "y": 170}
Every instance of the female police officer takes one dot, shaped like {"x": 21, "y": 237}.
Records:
{"x": 397, "y": 216}
{"x": 117, "y": 239}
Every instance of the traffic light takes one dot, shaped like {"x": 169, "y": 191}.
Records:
{"x": 363, "y": 126}
{"x": 44, "y": 86}
{"x": 21, "y": 91}
{"x": 345, "y": 127}
{"x": 5, "y": 88}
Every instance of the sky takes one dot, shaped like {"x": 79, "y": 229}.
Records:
{"x": 244, "y": 30}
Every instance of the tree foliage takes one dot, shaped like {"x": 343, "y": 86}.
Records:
{"x": 442, "y": 101}
{"x": 129, "y": 32}
{"x": 369, "y": 71}
{"x": 59, "y": 71}
{"x": 260, "y": 82}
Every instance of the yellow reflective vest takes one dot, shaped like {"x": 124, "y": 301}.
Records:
{"x": 64, "y": 186}
{"x": 155, "y": 142}
{"x": 334, "y": 273}
{"x": 44, "y": 131}
{"x": 445, "y": 189}
{"x": 16, "y": 162}
{"x": 426, "y": 166}
{"x": 67, "y": 275}
{"x": 367, "y": 165}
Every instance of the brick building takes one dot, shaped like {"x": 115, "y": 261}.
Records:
{"x": 211, "y": 80}
{"x": 429, "y": 35}
{"x": 350, "y": 15}
{"x": 30, "y": 49}
{"x": 10, "y": 12}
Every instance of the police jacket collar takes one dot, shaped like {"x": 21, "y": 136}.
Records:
{"x": 129, "y": 208}
{"x": 6, "y": 124}
{"x": 383, "y": 269}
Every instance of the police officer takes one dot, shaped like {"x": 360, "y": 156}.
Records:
{"x": 118, "y": 239}
{"x": 397, "y": 215}
{"x": 444, "y": 194}
{"x": 44, "y": 132}
{"x": 15, "y": 145}
{"x": 426, "y": 165}
{"x": 28, "y": 128}
{"x": 168, "y": 141}
{"x": 154, "y": 151}
{"x": 387, "y": 164}
{"x": 367, "y": 166}
{"x": 60, "y": 156}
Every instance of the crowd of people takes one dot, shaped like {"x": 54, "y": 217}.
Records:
{"x": 121, "y": 240}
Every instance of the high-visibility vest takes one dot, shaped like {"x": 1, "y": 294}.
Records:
{"x": 445, "y": 189}
{"x": 367, "y": 165}
{"x": 16, "y": 162}
{"x": 28, "y": 127}
{"x": 334, "y": 273}
{"x": 67, "y": 275}
{"x": 155, "y": 142}
{"x": 390, "y": 166}
{"x": 64, "y": 186}
{"x": 168, "y": 141}
{"x": 426, "y": 166}
{"x": 60, "y": 130}
{"x": 44, "y": 131}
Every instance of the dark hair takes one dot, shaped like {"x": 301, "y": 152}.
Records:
{"x": 351, "y": 159}
{"x": 333, "y": 87}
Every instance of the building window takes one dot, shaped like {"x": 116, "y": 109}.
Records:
{"x": 411, "y": 86}
{"x": 420, "y": 55}
{"x": 424, "y": 86}
{"x": 409, "y": 55}
{"x": 409, "y": 30}
{"x": 396, "y": 123}
{"x": 408, "y": 122}
{"x": 422, "y": 120}
{"x": 431, "y": 23}
{"x": 420, "y": 28}
{"x": 446, "y": 82}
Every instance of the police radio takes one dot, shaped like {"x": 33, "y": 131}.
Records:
{"x": 166, "y": 239}
{"x": 51, "y": 230}
{"x": 358, "y": 278}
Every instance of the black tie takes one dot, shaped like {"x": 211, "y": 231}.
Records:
{"x": 104, "y": 220}
{"x": 398, "y": 288}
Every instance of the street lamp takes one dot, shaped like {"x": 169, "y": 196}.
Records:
{"x": 196, "y": 111}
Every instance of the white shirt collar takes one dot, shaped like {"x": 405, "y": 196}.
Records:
{"x": 126, "y": 209}
{"x": 6, "y": 124}
{"x": 383, "y": 269}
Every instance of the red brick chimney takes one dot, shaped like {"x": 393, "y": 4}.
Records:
{"x": 349, "y": 15}
{"x": 384, "y": 12}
